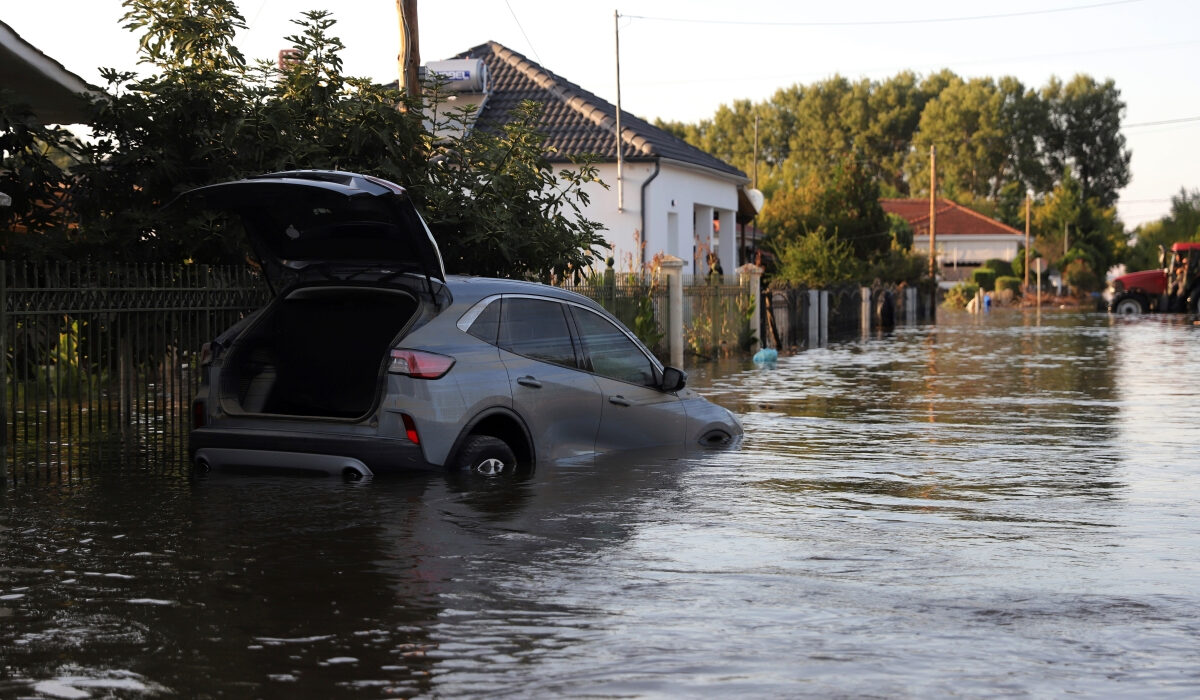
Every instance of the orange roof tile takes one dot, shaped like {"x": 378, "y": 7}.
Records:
{"x": 952, "y": 219}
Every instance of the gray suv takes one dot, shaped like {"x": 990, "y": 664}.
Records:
{"x": 370, "y": 359}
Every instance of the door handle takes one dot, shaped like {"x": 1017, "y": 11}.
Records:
{"x": 529, "y": 382}
{"x": 619, "y": 400}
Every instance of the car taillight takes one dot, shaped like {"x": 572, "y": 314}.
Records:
{"x": 410, "y": 429}
{"x": 199, "y": 414}
{"x": 418, "y": 364}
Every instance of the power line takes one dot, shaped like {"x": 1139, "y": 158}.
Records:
{"x": 1181, "y": 120}
{"x": 518, "y": 21}
{"x": 882, "y": 22}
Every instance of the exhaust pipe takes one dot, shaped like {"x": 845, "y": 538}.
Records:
{"x": 202, "y": 465}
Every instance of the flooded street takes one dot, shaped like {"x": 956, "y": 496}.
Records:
{"x": 986, "y": 507}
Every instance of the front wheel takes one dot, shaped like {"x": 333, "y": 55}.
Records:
{"x": 1129, "y": 306}
{"x": 486, "y": 456}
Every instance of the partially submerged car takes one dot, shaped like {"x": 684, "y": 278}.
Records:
{"x": 370, "y": 359}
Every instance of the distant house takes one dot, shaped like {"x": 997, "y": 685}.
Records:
{"x": 52, "y": 92}
{"x": 673, "y": 198}
{"x": 965, "y": 239}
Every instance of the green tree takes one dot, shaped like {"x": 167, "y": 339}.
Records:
{"x": 1084, "y": 133}
{"x": 204, "y": 116}
{"x": 817, "y": 259}
{"x": 1182, "y": 223}
{"x": 1077, "y": 233}
{"x": 964, "y": 122}
{"x": 843, "y": 200}
{"x": 31, "y": 173}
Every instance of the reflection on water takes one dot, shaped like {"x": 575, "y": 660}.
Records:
{"x": 986, "y": 507}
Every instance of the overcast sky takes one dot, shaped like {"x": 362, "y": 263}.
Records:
{"x": 681, "y": 60}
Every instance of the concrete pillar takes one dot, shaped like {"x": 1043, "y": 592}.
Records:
{"x": 865, "y": 311}
{"x": 727, "y": 252}
{"x": 910, "y": 305}
{"x": 750, "y": 277}
{"x": 824, "y": 323}
{"x": 672, "y": 267}
{"x": 814, "y": 318}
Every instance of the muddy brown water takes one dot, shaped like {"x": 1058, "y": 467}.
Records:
{"x": 986, "y": 507}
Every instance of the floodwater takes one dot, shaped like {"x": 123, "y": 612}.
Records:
{"x": 986, "y": 507}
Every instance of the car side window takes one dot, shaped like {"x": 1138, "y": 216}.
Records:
{"x": 612, "y": 353}
{"x": 487, "y": 324}
{"x": 538, "y": 329}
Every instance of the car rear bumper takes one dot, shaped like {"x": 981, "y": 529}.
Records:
{"x": 287, "y": 451}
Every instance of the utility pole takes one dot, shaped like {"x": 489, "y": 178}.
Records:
{"x": 620, "y": 157}
{"x": 933, "y": 215}
{"x": 1028, "y": 202}
{"x": 409, "y": 58}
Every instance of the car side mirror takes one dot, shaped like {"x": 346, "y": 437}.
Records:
{"x": 673, "y": 379}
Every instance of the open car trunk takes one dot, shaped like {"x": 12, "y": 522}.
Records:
{"x": 320, "y": 351}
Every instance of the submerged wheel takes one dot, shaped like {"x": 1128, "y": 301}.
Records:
{"x": 486, "y": 456}
{"x": 1129, "y": 306}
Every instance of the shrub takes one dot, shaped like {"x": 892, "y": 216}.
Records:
{"x": 1003, "y": 268}
{"x": 984, "y": 278}
{"x": 960, "y": 295}
{"x": 817, "y": 259}
{"x": 1008, "y": 283}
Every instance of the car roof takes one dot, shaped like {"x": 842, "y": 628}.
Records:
{"x": 469, "y": 290}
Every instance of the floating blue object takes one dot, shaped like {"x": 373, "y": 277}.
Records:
{"x": 765, "y": 356}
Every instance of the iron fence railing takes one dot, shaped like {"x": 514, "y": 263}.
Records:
{"x": 638, "y": 301}
{"x": 101, "y": 360}
{"x": 716, "y": 310}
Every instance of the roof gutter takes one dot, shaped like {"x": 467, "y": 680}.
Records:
{"x": 738, "y": 179}
{"x": 645, "y": 184}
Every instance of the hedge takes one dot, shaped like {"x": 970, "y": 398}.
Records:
{"x": 985, "y": 278}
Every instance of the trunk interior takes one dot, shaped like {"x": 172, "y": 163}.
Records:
{"x": 318, "y": 352}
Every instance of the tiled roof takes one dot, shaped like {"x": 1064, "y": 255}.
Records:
{"x": 952, "y": 219}
{"x": 52, "y": 91}
{"x": 574, "y": 120}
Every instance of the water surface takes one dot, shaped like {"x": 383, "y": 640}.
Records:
{"x": 986, "y": 507}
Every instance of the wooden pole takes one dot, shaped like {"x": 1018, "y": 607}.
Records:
{"x": 409, "y": 58}
{"x": 933, "y": 214}
{"x": 1028, "y": 198}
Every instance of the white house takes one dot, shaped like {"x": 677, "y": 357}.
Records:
{"x": 965, "y": 239}
{"x": 671, "y": 197}
{"x": 54, "y": 93}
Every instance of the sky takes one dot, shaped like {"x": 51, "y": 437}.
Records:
{"x": 681, "y": 60}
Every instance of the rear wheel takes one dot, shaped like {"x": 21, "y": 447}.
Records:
{"x": 488, "y": 457}
{"x": 1129, "y": 306}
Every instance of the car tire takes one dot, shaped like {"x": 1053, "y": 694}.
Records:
{"x": 1129, "y": 306}
{"x": 487, "y": 457}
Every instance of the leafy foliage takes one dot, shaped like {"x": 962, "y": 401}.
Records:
{"x": 817, "y": 259}
{"x": 1008, "y": 283}
{"x": 1181, "y": 224}
{"x": 984, "y": 278}
{"x": 203, "y": 116}
{"x": 844, "y": 201}
{"x": 958, "y": 296}
{"x": 32, "y": 173}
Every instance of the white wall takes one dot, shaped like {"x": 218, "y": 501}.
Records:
{"x": 971, "y": 249}
{"x": 677, "y": 199}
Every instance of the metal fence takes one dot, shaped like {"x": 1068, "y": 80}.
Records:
{"x": 638, "y": 301}
{"x": 101, "y": 360}
{"x": 716, "y": 312}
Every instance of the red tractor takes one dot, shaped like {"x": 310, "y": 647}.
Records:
{"x": 1174, "y": 288}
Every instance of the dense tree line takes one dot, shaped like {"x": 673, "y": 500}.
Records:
{"x": 995, "y": 139}
{"x": 205, "y": 115}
